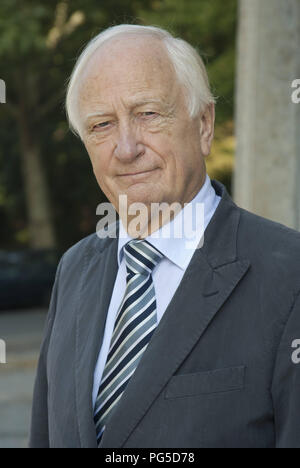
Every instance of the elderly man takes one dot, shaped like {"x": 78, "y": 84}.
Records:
{"x": 149, "y": 343}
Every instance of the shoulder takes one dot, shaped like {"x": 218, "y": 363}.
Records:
{"x": 271, "y": 235}
{"x": 271, "y": 246}
{"x": 89, "y": 246}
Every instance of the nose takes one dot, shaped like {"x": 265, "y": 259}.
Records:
{"x": 128, "y": 145}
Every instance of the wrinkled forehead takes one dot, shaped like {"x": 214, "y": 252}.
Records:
{"x": 128, "y": 63}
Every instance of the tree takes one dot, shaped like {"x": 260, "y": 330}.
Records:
{"x": 211, "y": 27}
{"x": 48, "y": 194}
{"x": 37, "y": 41}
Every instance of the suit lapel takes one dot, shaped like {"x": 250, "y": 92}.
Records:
{"x": 97, "y": 281}
{"x": 211, "y": 277}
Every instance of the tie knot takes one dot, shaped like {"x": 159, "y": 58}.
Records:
{"x": 141, "y": 257}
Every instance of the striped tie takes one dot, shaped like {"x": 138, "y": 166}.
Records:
{"x": 135, "y": 323}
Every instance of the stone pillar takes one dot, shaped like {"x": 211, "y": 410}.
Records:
{"x": 267, "y": 165}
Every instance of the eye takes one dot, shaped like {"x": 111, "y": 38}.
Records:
{"x": 148, "y": 114}
{"x": 101, "y": 125}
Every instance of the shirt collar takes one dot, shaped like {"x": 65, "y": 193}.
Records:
{"x": 174, "y": 248}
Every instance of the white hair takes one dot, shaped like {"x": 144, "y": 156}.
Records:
{"x": 188, "y": 65}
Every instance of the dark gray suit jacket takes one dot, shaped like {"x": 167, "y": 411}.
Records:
{"x": 218, "y": 371}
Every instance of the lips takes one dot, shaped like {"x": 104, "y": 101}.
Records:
{"x": 137, "y": 173}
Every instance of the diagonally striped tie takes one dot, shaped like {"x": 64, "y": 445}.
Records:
{"x": 135, "y": 323}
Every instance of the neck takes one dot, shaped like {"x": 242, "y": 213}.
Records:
{"x": 153, "y": 217}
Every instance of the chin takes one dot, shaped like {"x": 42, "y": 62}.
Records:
{"x": 143, "y": 195}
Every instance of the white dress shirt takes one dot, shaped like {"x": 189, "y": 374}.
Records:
{"x": 168, "y": 273}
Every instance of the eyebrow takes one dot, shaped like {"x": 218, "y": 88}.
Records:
{"x": 96, "y": 114}
{"x": 134, "y": 105}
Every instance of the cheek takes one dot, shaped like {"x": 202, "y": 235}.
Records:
{"x": 171, "y": 150}
{"x": 100, "y": 158}
{"x": 161, "y": 144}
{"x": 182, "y": 161}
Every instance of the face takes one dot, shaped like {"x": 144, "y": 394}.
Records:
{"x": 136, "y": 127}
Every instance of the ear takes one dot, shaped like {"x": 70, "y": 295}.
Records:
{"x": 207, "y": 123}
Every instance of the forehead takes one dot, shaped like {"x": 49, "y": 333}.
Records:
{"x": 129, "y": 68}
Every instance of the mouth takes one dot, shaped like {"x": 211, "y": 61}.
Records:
{"x": 136, "y": 174}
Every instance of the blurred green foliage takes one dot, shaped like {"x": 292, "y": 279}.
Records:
{"x": 39, "y": 44}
